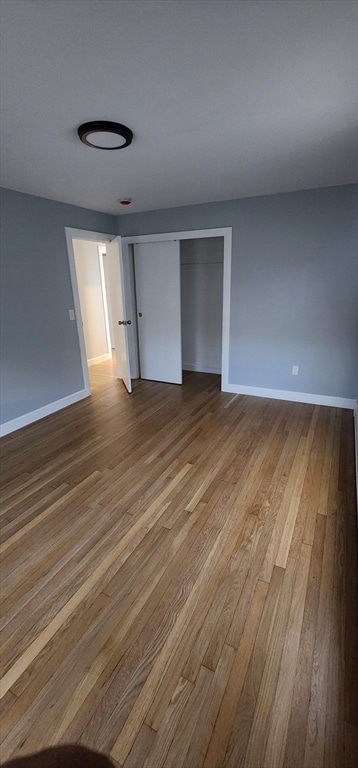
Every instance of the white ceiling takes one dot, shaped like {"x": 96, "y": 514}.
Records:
{"x": 226, "y": 98}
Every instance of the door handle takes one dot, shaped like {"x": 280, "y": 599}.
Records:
{"x": 124, "y": 322}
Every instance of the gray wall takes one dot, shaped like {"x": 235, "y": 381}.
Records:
{"x": 294, "y": 291}
{"x": 294, "y": 285}
{"x": 39, "y": 347}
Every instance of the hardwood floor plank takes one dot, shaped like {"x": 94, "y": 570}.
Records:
{"x": 335, "y": 505}
{"x": 314, "y": 476}
{"x": 246, "y": 704}
{"x": 349, "y": 523}
{"x": 13, "y": 519}
{"x": 123, "y": 641}
{"x": 224, "y": 543}
{"x": 199, "y": 742}
{"x": 169, "y": 725}
{"x": 282, "y": 496}
{"x": 39, "y": 643}
{"x": 223, "y": 726}
{"x": 262, "y": 721}
{"x": 292, "y": 510}
{"x": 327, "y": 462}
{"x": 179, "y": 579}
{"x": 46, "y": 512}
{"x": 140, "y": 620}
{"x": 141, "y": 748}
{"x": 316, "y": 723}
{"x": 296, "y": 732}
{"x": 215, "y": 628}
{"x": 25, "y": 585}
{"x": 176, "y": 757}
{"x": 34, "y": 688}
{"x": 275, "y": 748}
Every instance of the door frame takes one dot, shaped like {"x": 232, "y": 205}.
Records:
{"x": 195, "y": 234}
{"x": 97, "y": 237}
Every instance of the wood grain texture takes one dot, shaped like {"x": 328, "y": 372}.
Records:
{"x": 179, "y": 579}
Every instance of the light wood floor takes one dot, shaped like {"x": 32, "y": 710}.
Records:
{"x": 179, "y": 580}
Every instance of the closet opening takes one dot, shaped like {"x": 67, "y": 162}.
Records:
{"x": 201, "y": 278}
{"x": 182, "y": 294}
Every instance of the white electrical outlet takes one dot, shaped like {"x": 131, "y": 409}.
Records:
{"x": 295, "y": 370}
{"x": 71, "y": 313}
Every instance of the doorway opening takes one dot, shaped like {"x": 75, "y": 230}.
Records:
{"x": 93, "y": 273}
{"x": 107, "y": 280}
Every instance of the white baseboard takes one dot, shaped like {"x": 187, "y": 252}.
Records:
{"x": 99, "y": 359}
{"x": 296, "y": 397}
{"x": 40, "y": 413}
{"x": 201, "y": 368}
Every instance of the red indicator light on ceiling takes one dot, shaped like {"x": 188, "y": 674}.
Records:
{"x": 126, "y": 201}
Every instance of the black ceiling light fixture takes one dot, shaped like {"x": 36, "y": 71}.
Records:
{"x": 103, "y": 134}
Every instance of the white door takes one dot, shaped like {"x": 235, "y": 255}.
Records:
{"x": 157, "y": 275}
{"x": 121, "y": 321}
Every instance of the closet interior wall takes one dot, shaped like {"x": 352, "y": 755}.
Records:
{"x": 201, "y": 272}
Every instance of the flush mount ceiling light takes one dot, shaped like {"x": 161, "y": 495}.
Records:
{"x": 102, "y": 134}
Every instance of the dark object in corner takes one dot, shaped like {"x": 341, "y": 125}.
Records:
{"x": 66, "y": 756}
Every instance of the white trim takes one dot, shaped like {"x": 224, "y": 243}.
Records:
{"x": 201, "y": 368}
{"x": 40, "y": 413}
{"x": 87, "y": 234}
{"x": 99, "y": 359}
{"x": 189, "y": 234}
{"x": 296, "y": 397}
{"x": 195, "y": 234}
{"x": 226, "y": 309}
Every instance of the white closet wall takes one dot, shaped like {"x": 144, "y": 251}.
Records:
{"x": 201, "y": 263}
{"x": 91, "y": 299}
{"x": 110, "y": 276}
